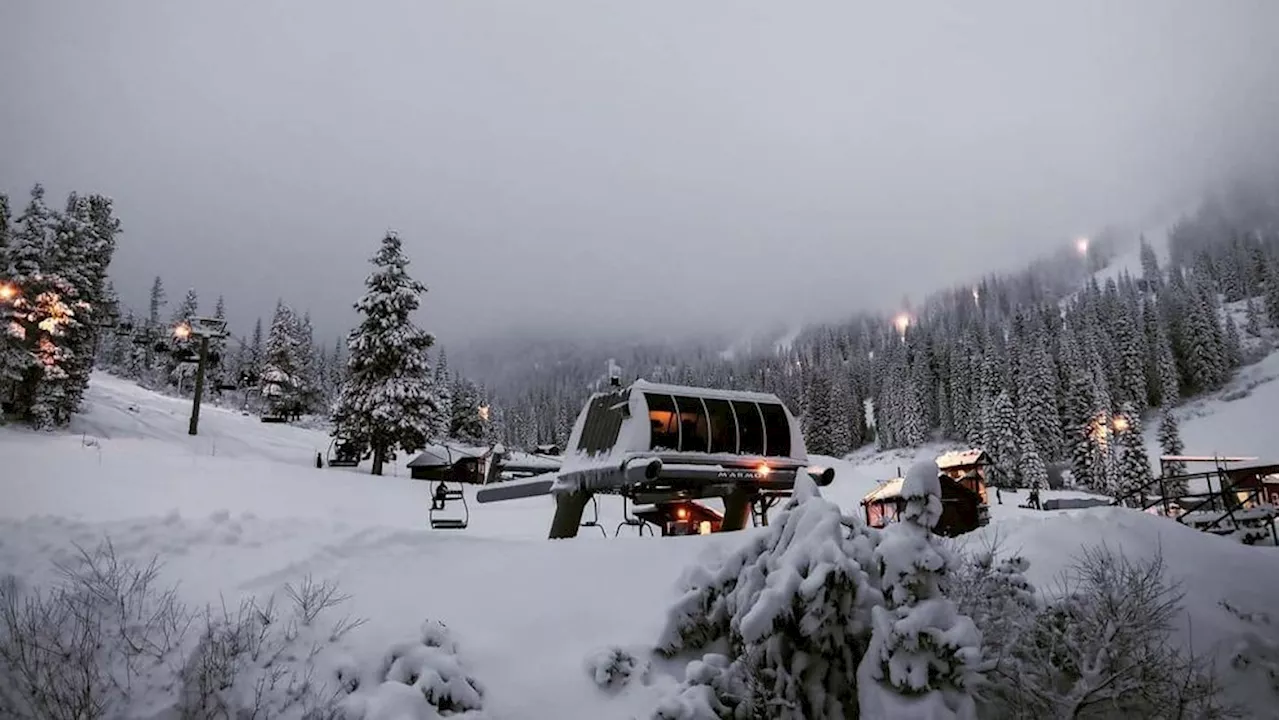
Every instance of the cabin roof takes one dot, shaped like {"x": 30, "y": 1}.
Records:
{"x": 747, "y": 395}
{"x": 1205, "y": 458}
{"x": 887, "y": 490}
{"x": 445, "y": 455}
{"x": 961, "y": 458}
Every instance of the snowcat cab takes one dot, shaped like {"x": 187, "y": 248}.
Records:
{"x": 667, "y": 445}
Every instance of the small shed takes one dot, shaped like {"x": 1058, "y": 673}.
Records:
{"x": 451, "y": 463}
{"x": 963, "y": 509}
{"x": 681, "y": 518}
{"x": 970, "y": 468}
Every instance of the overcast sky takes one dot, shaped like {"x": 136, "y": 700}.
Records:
{"x": 666, "y": 165}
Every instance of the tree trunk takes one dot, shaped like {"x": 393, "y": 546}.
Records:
{"x": 378, "y": 454}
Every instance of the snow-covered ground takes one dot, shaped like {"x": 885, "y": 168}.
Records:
{"x": 241, "y": 510}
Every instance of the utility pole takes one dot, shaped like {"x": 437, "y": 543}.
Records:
{"x": 203, "y": 328}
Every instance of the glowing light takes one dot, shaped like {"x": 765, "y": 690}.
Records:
{"x": 1082, "y": 245}
{"x": 182, "y": 332}
{"x": 8, "y": 292}
{"x": 1120, "y": 423}
{"x": 704, "y": 527}
{"x": 975, "y": 296}
{"x": 682, "y": 513}
{"x": 902, "y": 322}
{"x": 484, "y": 413}
{"x": 763, "y": 469}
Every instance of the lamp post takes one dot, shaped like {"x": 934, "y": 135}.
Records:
{"x": 203, "y": 328}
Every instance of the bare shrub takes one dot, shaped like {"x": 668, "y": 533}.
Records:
{"x": 1104, "y": 648}
{"x": 107, "y": 641}
{"x": 80, "y": 649}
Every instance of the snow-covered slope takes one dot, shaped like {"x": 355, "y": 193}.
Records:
{"x": 241, "y": 510}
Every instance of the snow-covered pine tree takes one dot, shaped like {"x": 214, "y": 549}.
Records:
{"x": 180, "y": 364}
{"x": 254, "y": 367}
{"x": 1202, "y": 364}
{"x": 218, "y": 360}
{"x": 389, "y": 400}
{"x": 155, "y": 333}
{"x": 281, "y": 378}
{"x": 1253, "y": 318}
{"x": 466, "y": 425}
{"x": 444, "y": 391}
{"x": 1131, "y": 376}
{"x": 1037, "y": 406}
{"x": 1232, "y": 345}
{"x": 924, "y": 654}
{"x": 819, "y": 422}
{"x": 309, "y": 385}
{"x": 1004, "y": 430}
{"x": 1133, "y": 466}
{"x": 1171, "y": 444}
{"x": 1150, "y": 265}
{"x": 1271, "y": 295}
{"x": 843, "y": 420}
{"x": 1031, "y": 464}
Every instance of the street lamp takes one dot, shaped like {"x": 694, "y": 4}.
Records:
{"x": 8, "y": 291}
{"x": 1082, "y": 246}
{"x": 203, "y": 328}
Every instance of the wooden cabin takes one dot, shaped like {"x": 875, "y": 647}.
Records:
{"x": 971, "y": 468}
{"x": 963, "y": 510}
{"x": 451, "y": 463}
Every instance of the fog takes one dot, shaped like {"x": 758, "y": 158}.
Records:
{"x": 653, "y": 167}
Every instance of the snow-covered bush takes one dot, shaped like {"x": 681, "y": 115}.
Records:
{"x": 713, "y": 688}
{"x": 792, "y": 608}
{"x": 924, "y": 658}
{"x": 1103, "y": 648}
{"x": 422, "y": 679}
{"x": 612, "y": 668}
{"x": 993, "y": 590}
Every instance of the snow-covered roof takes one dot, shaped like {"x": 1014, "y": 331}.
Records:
{"x": 960, "y": 458}
{"x": 646, "y": 386}
{"x": 439, "y": 455}
{"x": 887, "y": 490}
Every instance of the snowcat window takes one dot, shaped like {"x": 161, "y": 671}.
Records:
{"x": 695, "y": 433}
{"x": 777, "y": 431}
{"x": 664, "y": 428}
{"x": 724, "y": 431}
{"x": 750, "y": 428}
{"x": 604, "y": 420}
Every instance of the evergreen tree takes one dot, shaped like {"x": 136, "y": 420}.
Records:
{"x": 218, "y": 360}
{"x": 1037, "y": 404}
{"x": 255, "y": 353}
{"x": 1232, "y": 345}
{"x": 1253, "y": 318}
{"x": 1031, "y": 465}
{"x": 922, "y": 658}
{"x": 1004, "y": 431}
{"x": 466, "y": 425}
{"x": 187, "y": 309}
{"x": 389, "y": 400}
{"x": 1271, "y": 294}
{"x": 1133, "y": 467}
{"x": 154, "y": 333}
{"x": 444, "y": 390}
{"x": 281, "y": 381}
{"x": 1171, "y": 444}
{"x": 1132, "y": 385}
{"x": 1150, "y": 265}
{"x": 818, "y": 416}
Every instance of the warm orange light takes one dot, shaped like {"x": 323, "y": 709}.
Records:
{"x": 484, "y": 413}
{"x": 1082, "y": 245}
{"x": 902, "y": 322}
{"x": 182, "y": 332}
{"x": 704, "y": 527}
{"x": 1120, "y": 423}
{"x": 682, "y": 513}
{"x": 8, "y": 292}
{"x": 763, "y": 469}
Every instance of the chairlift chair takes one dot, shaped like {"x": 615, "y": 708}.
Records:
{"x": 343, "y": 453}
{"x": 595, "y": 517}
{"x": 441, "y": 496}
{"x": 629, "y": 520}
